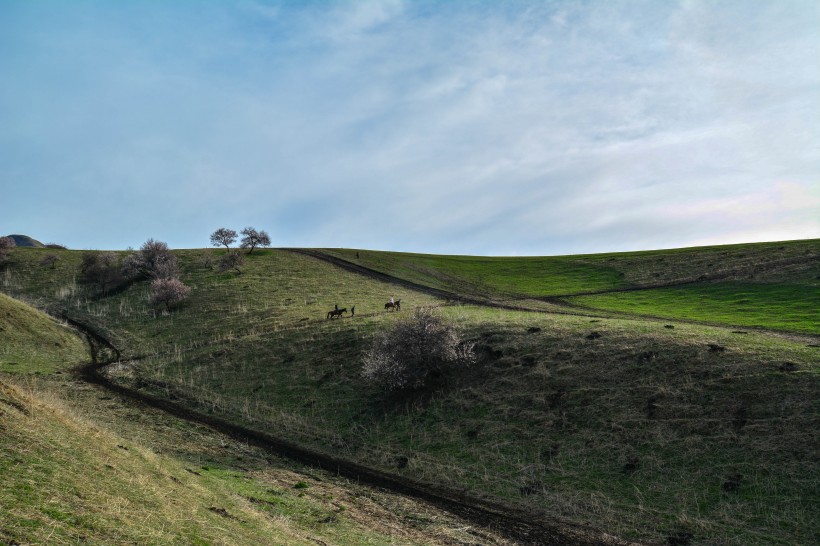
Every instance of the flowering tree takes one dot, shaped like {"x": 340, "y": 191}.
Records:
{"x": 168, "y": 292}
{"x": 416, "y": 352}
{"x": 153, "y": 261}
{"x": 253, "y": 238}
{"x": 223, "y": 237}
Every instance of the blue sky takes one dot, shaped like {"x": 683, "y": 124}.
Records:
{"x": 492, "y": 128}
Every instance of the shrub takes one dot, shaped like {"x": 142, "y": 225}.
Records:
{"x": 49, "y": 260}
{"x": 416, "y": 352}
{"x": 152, "y": 261}
{"x": 6, "y": 244}
{"x": 231, "y": 260}
{"x": 101, "y": 268}
{"x": 253, "y": 238}
{"x": 168, "y": 292}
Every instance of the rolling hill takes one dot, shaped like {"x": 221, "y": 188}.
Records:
{"x": 661, "y": 396}
{"x": 26, "y": 241}
{"x": 80, "y": 464}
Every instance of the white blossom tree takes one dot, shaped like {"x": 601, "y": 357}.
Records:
{"x": 416, "y": 352}
{"x": 168, "y": 292}
{"x": 152, "y": 261}
{"x": 253, "y": 238}
{"x": 223, "y": 237}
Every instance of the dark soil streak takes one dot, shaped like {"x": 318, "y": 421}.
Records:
{"x": 449, "y": 296}
{"x": 526, "y": 526}
{"x": 572, "y": 308}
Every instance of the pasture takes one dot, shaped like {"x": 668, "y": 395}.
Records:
{"x": 646, "y": 428}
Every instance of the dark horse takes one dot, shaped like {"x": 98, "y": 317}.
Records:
{"x": 336, "y": 312}
{"x": 394, "y": 306}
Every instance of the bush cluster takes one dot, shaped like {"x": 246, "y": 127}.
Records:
{"x": 153, "y": 261}
{"x": 416, "y": 353}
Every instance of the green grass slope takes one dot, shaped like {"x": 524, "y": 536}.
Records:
{"x": 767, "y": 285}
{"x": 33, "y": 342}
{"x": 81, "y": 466}
{"x": 488, "y": 276}
{"x": 790, "y": 307}
{"x": 646, "y": 431}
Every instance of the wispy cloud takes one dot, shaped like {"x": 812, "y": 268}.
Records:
{"x": 475, "y": 127}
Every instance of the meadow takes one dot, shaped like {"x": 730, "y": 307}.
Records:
{"x": 648, "y": 427}
{"x": 80, "y": 464}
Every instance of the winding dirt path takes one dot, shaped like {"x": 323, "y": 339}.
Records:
{"x": 519, "y": 524}
{"x": 572, "y": 308}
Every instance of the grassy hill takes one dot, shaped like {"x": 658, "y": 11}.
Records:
{"x": 26, "y": 241}
{"x": 33, "y": 342}
{"x": 765, "y": 285}
{"x": 80, "y": 465}
{"x": 652, "y": 430}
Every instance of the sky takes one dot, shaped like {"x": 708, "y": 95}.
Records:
{"x": 454, "y": 127}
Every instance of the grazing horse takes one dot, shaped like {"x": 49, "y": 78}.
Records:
{"x": 336, "y": 312}
{"x": 394, "y": 306}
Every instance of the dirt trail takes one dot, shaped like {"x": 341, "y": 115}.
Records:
{"x": 525, "y": 526}
{"x": 569, "y": 308}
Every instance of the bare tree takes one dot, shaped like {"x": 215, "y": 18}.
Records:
{"x": 253, "y": 238}
{"x": 102, "y": 269}
{"x": 49, "y": 260}
{"x": 416, "y": 352}
{"x": 223, "y": 237}
{"x": 231, "y": 260}
{"x": 6, "y": 244}
{"x": 168, "y": 292}
{"x": 153, "y": 261}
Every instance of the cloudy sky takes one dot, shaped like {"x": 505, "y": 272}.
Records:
{"x": 461, "y": 127}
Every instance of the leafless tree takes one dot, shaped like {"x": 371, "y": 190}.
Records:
{"x": 168, "y": 292}
{"x": 102, "y": 269}
{"x": 253, "y": 238}
{"x": 416, "y": 352}
{"x": 152, "y": 261}
{"x": 6, "y": 244}
{"x": 231, "y": 260}
{"x": 49, "y": 260}
{"x": 223, "y": 237}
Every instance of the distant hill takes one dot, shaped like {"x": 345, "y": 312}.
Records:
{"x": 25, "y": 240}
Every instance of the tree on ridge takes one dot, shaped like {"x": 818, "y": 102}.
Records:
{"x": 253, "y": 238}
{"x": 223, "y": 237}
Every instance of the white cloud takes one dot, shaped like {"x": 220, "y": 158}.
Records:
{"x": 456, "y": 127}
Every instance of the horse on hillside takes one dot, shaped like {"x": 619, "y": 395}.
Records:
{"x": 394, "y": 306}
{"x": 336, "y": 312}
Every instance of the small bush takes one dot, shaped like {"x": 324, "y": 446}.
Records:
{"x": 416, "y": 352}
{"x": 49, "y": 260}
{"x": 153, "y": 261}
{"x": 102, "y": 269}
{"x": 6, "y": 244}
{"x": 231, "y": 260}
{"x": 168, "y": 292}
